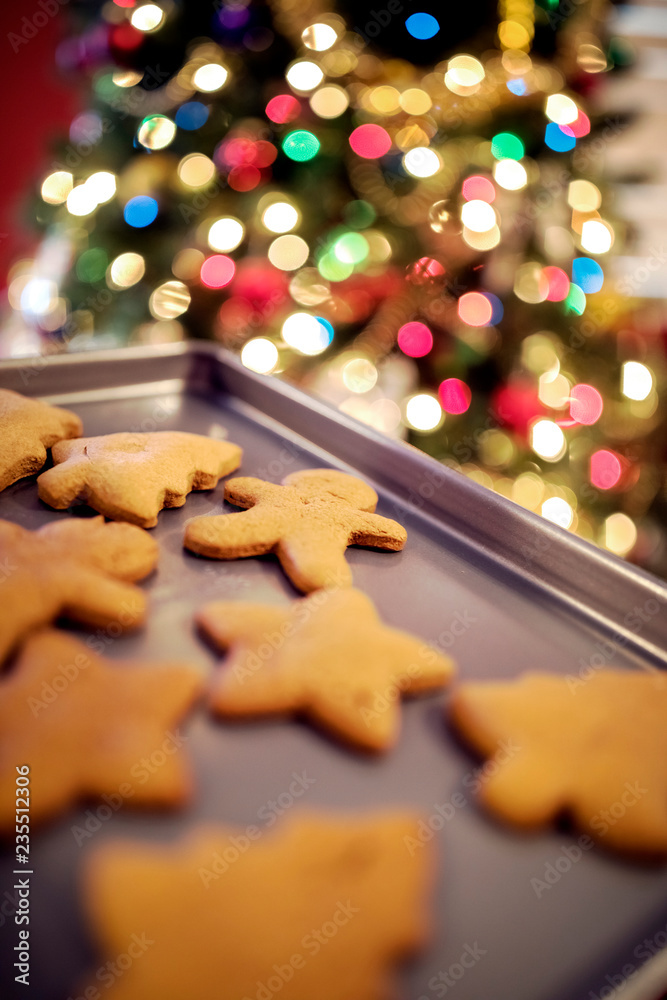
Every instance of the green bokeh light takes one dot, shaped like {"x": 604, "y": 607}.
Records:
{"x": 333, "y": 269}
{"x": 301, "y": 145}
{"x": 351, "y": 248}
{"x": 92, "y": 265}
{"x": 575, "y": 301}
{"x": 359, "y": 214}
{"x": 506, "y": 146}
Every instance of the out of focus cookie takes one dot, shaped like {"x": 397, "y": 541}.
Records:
{"x": 321, "y": 907}
{"x": 308, "y": 522}
{"x": 596, "y": 750}
{"x": 131, "y": 477}
{"x": 89, "y": 727}
{"x": 328, "y": 656}
{"x": 78, "y": 567}
{"x": 27, "y": 428}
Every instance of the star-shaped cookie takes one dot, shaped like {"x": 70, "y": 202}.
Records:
{"x": 319, "y": 908}
{"x": 27, "y": 428}
{"x": 131, "y": 477}
{"x": 76, "y": 567}
{"x": 596, "y": 749}
{"x": 88, "y": 727}
{"x": 327, "y": 655}
{"x": 308, "y": 522}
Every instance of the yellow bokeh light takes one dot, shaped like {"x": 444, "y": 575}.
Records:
{"x": 81, "y": 201}
{"x": 561, "y": 109}
{"x": 169, "y": 300}
{"x": 305, "y": 334}
{"x": 422, "y": 162}
{"x": 126, "y": 77}
{"x": 359, "y": 375}
{"x": 288, "y": 253}
{"x": 330, "y": 101}
{"x": 516, "y": 62}
{"x": 308, "y": 288}
{"x": 583, "y": 196}
{"x": 482, "y": 241}
{"x": 304, "y": 76}
{"x": 385, "y": 99}
{"x": 187, "y": 263}
{"x": 510, "y": 174}
{"x": 620, "y": 534}
{"x": 415, "y": 101}
{"x": 530, "y": 284}
{"x": 538, "y": 354}
{"x": 57, "y": 186}
{"x": 225, "y": 234}
{"x": 148, "y": 17}
{"x": 553, "y": 389}
{"x": 528, "y": 490}
{"x": 547, "y": 440}
{"x": 637, "y": 380}
{"x": 210, "y": 77}
{"x": 126, "y": 270}
{"x": 38, "y": 296}
{"x": 465, "y": 71}
{"x": 280, "y": 217}
{"x": 423, "y": 412}
{"x": 478, "y": 216}
{"x": 513, "y": 35}
{"x": 558, "y": 511}
{"x": 596, "y": 236}
{"x": 102, "y": 186}
{"x": 156, "y": 132}
{"x": 196, "y": 170}
{"x": 260, "y": 355}
{"x": 319, "y": 37}
{"x": 591, "y": 58}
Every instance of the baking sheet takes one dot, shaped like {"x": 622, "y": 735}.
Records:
{"x": 501, "y": 590}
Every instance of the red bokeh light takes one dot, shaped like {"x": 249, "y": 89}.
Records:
{"x": 586, "y": 404}
{"x": 370, "y": 141}
{"x": 479, "y": 188}
{"x": 559, "y": 283}
{"x": 217, "y": 271}
{"x": 454, "y": 395}
{"x": 475, "y": 309}
{"x": 265, "y": 153}
{"x": 283, "y": 108}
{"x": 605, "y": 469}
{"x": 125, "y": 37}
{"x": 424, "y": 271}
{"x": 244, "y": 178}
{"x": 415, "y": 339}
{"x": 581, "y": 126}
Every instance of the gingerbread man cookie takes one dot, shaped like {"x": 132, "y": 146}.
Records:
{"x": 308, "y": 522}
{"x": 131, "y": 477}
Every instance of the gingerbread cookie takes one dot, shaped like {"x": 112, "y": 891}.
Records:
{"x": 27, "y": 428}
{"x": 597, "y": 750}
{"x": 308, "y": 522}
{"x": 79, "y": 567}
{"x": 328, "y": 656}
{"x": 131, "y": 477}
{"x": 89, "y": 727}
{"x": 319, "y": 907}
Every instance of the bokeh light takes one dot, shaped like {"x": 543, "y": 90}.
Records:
{"x": 156, "y": 132}
{"x": 283, "y": 108}
{"x": 596, "y": 236}
{"x": 210, "y": 77}
{"x": 561, "y": 109}
{"x": 359, "y": 375}
{"x": 423, "y": 412}
{"x": 126, "y": 270}
{"x": 422, "y": 25}
{"x": 636, "y": 381}
{"x": 557, "y": 139}
{"x": 415, "y": 339}
{"x": 547, "y": 440}
{"x": 422, "y": 162}
{"x": 301, "y": 146}
{"x": 217, "y": 271}
{"x": 454, "y": 395}
{"x": 260, "y": 355}
{"x": 319, "y": 37}
{"x": 191, "y": 116}
{"x": 510, "y": 175}
{"x": 280, "y": 217}
{"x": 147, "y": 18}
{"x": 169, "y": 300}
{"x": 81, "y": 201}
{"x": 605, "y": 469}
{"x": 587, "y": 274}
{"x": 196, "y": 170}
{"x": 304, "y": 76}
{"x": 477, "y": 188}
{"x": 140, "y": 211}
{"x": 370, "y": 141}
{"x": 330, "y": 101}
{"x": 475, "y": 309}
{"x": 559, "y": 283}
{"x": 583, "y": 196}
{"x": 507, "y": 146}
{"x": 478, "y": 216}
{"x": 620, "y": 534}
{"x": 57, "y": 186}
{"x": 287, "y": 253}
{"x": 586, "y": 404}
{"x": 306, "y": 334}
{"x": 558, "y": 511}
{"x": 225, "y": 234}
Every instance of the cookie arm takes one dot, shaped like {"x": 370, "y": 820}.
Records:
{"x": 314, "y": 563}
{"x": 377, "y": 532}
{"x": 63, "y": 484}
{"x": 227, "y": 622}
{"x": 233, "y": 536}
{"x": 246, "y": 491}
{"x": 100, "y": 601}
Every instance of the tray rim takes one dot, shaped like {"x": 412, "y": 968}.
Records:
{"x": 591, "y": 583}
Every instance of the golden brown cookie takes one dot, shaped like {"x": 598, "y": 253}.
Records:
{"x": 89, "y": 727}
{"x": 78, "y": 567}
{"x": 308, "y": 522}
{"x": 597, "y": 751}
{"x": 328, "y": 656}
{"x": 131, "y": 477}
{"x": 27, "y": 428}
{"x": 319, "y": 908}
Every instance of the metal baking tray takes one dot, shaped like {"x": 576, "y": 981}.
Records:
{"x": 501, "y": 590}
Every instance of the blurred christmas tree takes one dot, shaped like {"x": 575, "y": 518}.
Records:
{"x": 391, "y": 208}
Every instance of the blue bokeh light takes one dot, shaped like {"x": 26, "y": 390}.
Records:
{"x": 140, "y": 211}
{"x": 191, "y": 116}
{"x": 587, "y": 274}
{"x": 422, "y": 25}
{"x": 517, "y": 86}
{"x": 558, "y": 140}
